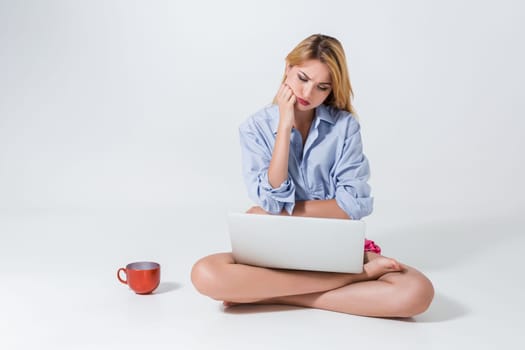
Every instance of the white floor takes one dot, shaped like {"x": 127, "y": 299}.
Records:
{"x": 59, "y": 288}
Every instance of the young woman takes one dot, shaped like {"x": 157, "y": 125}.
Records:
{"x": 303, "y": 156}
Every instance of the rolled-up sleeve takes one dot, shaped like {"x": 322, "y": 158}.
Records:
{"x": 351, "y": 175}
{"x": 256, "y": 156}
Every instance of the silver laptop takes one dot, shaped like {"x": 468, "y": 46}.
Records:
{"x": 289, "y": 242}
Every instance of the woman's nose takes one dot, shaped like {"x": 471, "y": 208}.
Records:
{"x": 307, "y": 91}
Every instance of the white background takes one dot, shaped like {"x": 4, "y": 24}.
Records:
{"x": 136, "y": 104}
{"x": 119, "y": 142}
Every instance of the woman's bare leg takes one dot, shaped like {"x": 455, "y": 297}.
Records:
{"x": 399, "y": 294}
{"x": 394, "y": 294}
{"x": 219, "y": 277}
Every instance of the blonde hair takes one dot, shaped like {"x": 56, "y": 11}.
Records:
{"x": 329, "y": 51}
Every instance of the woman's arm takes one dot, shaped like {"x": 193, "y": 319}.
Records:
{"x": 351, "y": 174}
{"x": 313, "y": 208}
{"x": 278, "y": 169}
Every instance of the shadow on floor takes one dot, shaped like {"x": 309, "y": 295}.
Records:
{"x": 254, "y": 308}
{"x": 442, "y": 309}
{"x": 166, "y": 287}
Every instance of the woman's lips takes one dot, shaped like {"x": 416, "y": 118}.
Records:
{"x": 303, "y": 102}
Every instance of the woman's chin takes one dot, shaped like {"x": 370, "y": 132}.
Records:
{"x": 301, "y": 108}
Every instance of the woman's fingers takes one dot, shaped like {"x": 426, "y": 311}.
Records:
{"x": 280, "y": 91}
{"x": 287, "y": 94}
{"x": 286, "y": 101}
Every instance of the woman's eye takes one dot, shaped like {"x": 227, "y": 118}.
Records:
{"x": 322, "y": 88}
{"x": 301, "y": 78}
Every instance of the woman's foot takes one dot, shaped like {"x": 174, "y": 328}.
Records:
{"x": 379, "y": 265}
{"x": 229, "y": 303}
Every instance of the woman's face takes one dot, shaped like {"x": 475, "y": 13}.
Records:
{"x": 311, "y": 83}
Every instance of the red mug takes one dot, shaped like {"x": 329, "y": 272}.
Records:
{"x": 143, "y": 277}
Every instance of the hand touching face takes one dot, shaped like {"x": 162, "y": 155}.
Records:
{"x": 310, "y": 82}
{"x": 286, "y": 101}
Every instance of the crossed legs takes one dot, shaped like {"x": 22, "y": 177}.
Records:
{"x": 385, "y": 288}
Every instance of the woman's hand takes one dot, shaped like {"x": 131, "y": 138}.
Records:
{"x": 286, "y": 101}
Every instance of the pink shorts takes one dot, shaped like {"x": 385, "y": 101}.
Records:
{"x": 370, "y": 246}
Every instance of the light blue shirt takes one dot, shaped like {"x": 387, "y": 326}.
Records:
{"x": 331, "y": 164}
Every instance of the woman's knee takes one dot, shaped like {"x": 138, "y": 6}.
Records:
{"x": 200, "y": 275}
{"x": 416, "y": 295}
{"x": 205, "y": 273}
{"x": 412, "y": 293}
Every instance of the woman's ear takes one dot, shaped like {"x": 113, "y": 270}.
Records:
{"x": 288, "y": 67}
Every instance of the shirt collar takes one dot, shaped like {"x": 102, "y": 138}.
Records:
{"x": 322, "y": 112}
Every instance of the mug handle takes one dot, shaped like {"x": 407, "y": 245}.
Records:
{"x": 118, "y": 275}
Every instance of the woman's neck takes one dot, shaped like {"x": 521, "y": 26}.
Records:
{"x": 303, "y": 118}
